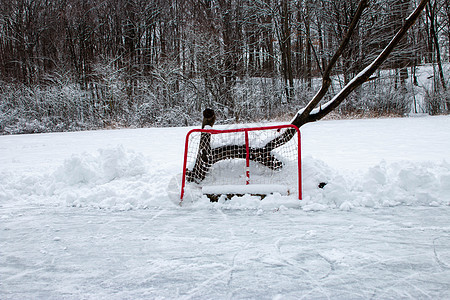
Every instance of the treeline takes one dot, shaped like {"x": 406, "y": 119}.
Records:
{"x": 76, "y": 64}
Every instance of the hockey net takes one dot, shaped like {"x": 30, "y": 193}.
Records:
{"x": 239, "y": 161}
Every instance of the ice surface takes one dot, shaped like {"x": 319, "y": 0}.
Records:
{"x": 97, "y": 215}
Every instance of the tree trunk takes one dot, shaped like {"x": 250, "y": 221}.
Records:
{"x": 431, "y": 13}
{"x": 308, "y": 47}
{"x": 286, "y": 52}
{"x": 207, "y": 156}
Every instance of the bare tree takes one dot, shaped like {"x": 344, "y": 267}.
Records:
{"x": 284, "y": 40}
{"x": 207, "y": 155}
{"x": 446, "y": 17}
{"x": 133, "y": 61}
{"x": 307, "y": 114}
{"x": 432, "y": 14}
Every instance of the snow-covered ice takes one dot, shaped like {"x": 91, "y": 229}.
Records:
{"x": 95, "y": 215}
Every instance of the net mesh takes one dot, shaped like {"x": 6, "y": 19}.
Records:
{"x": 219, "y": 158}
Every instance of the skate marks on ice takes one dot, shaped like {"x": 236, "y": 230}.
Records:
{"x": 71, "y": 252}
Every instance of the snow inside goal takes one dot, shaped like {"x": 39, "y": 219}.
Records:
{"x": 256, "y": 161}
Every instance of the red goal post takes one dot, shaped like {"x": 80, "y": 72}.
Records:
{"x": 246, "y": 138}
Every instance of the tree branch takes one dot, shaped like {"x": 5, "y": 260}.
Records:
{"x": 303, "y": 115}
{"x": 207, "y": 156}
{"x": 308, "y": 114}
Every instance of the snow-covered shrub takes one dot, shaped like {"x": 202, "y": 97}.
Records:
{"x": 437, "y": 102}
{"x": 380, "y": 100}
{"x": 44, "y": 109}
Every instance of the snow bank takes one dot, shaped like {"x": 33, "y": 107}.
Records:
{"x": 120, "y": 179}
{"x": 384, "y": 185}
{"x": 106, "y": 166}
{"x": 40, "y": 169}
{"x": 112, "y": 178}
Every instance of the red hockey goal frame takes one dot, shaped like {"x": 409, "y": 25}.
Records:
{"x": 245, "y": 131}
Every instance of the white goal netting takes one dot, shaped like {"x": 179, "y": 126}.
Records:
{"x": 246, "y": 160}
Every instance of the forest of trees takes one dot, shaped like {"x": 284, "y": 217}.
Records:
{"x": 82, "y": 64}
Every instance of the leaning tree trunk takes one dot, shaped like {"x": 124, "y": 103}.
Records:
{"x": 203, "y": 161}
{"x": 207, "y": 156}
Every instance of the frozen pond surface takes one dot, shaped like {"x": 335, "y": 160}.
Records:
{"x": 391, "y": 253}
{"x": 92, "y": 215}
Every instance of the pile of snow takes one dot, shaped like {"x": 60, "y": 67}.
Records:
{"x": 120, "y": 179}
{"x": 108, "y": 165}
{"x": 364, "y": 163}
{"x": 113, "y": 178}
{"x": 384, "y": 185}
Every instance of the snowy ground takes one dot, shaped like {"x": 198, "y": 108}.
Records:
{"x": 93, "y": 215}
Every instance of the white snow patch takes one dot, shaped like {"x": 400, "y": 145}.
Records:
{"x": 264, "y": 189}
